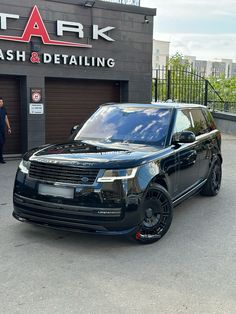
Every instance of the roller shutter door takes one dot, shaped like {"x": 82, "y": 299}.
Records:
{"x": 10, "y": 91}
{"x": 70, "y": 102}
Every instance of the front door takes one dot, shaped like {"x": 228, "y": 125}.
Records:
{"x": 186, "y": 154}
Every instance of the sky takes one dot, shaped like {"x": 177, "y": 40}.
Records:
{"x": 202, "y": 28}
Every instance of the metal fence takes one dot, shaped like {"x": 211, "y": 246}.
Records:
{"x": 187, "y": 87}
{"x": 128, "y": 2}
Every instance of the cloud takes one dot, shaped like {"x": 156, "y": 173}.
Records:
{"x": 204, "y": 28}
{"x": 204, "y": 46}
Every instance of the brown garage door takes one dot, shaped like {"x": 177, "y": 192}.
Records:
{"x": 71, "y": 102}
{"x": 10, "y": 91}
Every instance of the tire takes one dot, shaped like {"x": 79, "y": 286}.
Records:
{"x": 212, "y": 186}
{"x": 158, "y": 213}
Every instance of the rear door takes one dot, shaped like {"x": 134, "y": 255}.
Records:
{"x": 203, "y": 143}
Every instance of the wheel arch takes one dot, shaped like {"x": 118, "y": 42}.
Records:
{"x": 220, "y": 156}
{"x": 160, "y": 179}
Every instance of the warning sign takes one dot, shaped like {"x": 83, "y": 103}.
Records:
{"x": 36, "y": 95}
{"x": 36, "y": 108}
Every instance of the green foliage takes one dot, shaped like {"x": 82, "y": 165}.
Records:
{"x": 179, "y": 82}
{"x": 221, "y": 92}
{"x": 226, "y": 87}
{"x": 177, "y": 62}
{"x": 184, "y": 85}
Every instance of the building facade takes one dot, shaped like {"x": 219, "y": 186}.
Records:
{"x": 61, "y": 59}
{"x": 161, "y": 54}
{"x": 217, "y": 68}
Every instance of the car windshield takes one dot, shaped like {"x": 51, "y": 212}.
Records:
{"x": 141, "y": 125}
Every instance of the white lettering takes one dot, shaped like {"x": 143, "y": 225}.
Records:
{"x": 73, "y": 61}
{"x": 63, "y": 26}
{"x": 101, "y": 62}
{"x": 93, "y": 62}
{"x": 10, "y": 55}
{"x": 80, "y": 60}
{"x": 111, "y": 63}
{"x": 47, "y": 58}
{"x": 64, "y": 58}
{"x": 100, "y": 32}
{"x": 86, "y": 62}
{"x": 4, "y": 17}
{"x": 20, "y": 55}
{"x": 57, "y": 59}
{"x": 1, "y": 55}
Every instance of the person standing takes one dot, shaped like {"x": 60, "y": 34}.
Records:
{"x": 4, "y": 121}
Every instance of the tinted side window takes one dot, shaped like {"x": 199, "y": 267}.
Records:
{"x": 210, "y": 120}
{"x": 199, "y": 122}
{"x": 183, "y": 121}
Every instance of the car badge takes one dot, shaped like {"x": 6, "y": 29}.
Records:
{"x": 84, "y": 179}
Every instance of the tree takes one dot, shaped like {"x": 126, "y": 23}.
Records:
{"x": 179, "y": 82}
{"x": 178, "y": 62}
{"x": 226, "y": 87}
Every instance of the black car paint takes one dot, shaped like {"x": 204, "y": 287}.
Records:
{"x": 114, "y": 208}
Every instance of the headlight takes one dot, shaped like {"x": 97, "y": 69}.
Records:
{"x": 119, "y": 174}
{"x": 24, "y": 166}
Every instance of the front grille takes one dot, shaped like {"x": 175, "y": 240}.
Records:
{"x": 62, "y": 173}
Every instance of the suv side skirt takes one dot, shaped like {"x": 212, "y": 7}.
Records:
{"x": 189, "y": 193}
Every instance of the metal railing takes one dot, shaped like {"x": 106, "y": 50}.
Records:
{"x": 127, "y": 2}
{"x": 188, "y": 87}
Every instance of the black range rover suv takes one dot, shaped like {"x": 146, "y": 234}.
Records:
{"x": 122, "y": 172}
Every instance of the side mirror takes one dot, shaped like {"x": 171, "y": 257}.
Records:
{"x": 75, "y": 129}
{"x": 184, "y": 137}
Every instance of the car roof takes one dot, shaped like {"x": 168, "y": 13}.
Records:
{"x": 170, "y": 105}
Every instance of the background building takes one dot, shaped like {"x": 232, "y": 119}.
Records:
{"x": 60, "y": 60}
{"x": 216, "y": 68}
{"x": 161, "y": 53}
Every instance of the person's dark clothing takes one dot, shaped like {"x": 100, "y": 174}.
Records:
{"x": 3, "y": 114}
{"x": 1, "y": 154}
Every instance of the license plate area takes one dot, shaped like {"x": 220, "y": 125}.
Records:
{"x": 56, "y": 191}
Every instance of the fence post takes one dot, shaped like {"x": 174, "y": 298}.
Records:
{"x": 168, "y": 91}
{"x": 206, "y": 93}
{"x": 226, "y": 107}
{"x": 156, "y": 87}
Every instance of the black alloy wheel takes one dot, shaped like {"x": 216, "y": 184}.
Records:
{"x": 212, "y": 186}
{"x": 157, "y": 207}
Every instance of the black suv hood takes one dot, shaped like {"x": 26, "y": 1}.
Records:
{"x": 96, "y": 154}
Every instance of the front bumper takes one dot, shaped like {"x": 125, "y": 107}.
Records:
{"x": 69, "y": 218}
{"x": 102, "y": 209}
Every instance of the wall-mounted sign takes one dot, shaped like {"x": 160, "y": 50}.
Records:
{"x": 36, "y": 27}
{"x": 47, "y": 58}
{"x": 36, "y": 95}
{"x": 36, "y": 108}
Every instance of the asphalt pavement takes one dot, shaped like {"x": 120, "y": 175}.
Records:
{"x": 191, "y": 270}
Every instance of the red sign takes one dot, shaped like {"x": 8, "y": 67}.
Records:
{"x": 36, "y": 27}
{"x": 36, "y": 95}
